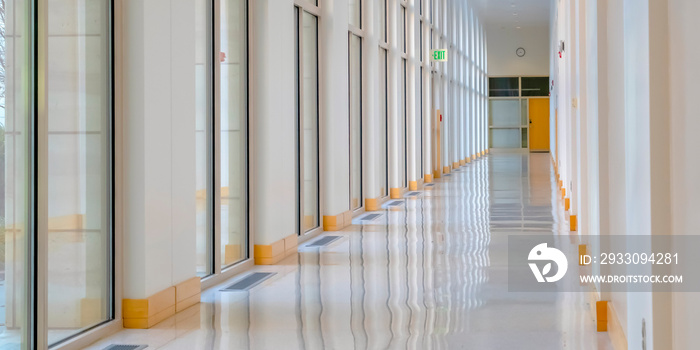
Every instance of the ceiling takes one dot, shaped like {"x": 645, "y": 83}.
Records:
{"x": 515, "y": 13}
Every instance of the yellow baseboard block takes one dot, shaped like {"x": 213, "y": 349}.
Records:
{"x": 436, "y": 174}
{"x": 615, "y": 331}
{"x": 395, "y": 193}
{"x": 473, "y": 156}
{"x": 445, "y": 170}
{"x": 145, "y": 313}
{"x": 601, "y": 315}
{"x": 413, "y": 185}
{"x": 563, "y": 193}
{"x": 572, "y": 222}
{"x": 270, "y": 254}
{"x": 291, "y": 243}
{"x": 455, "y": 165}
{"x": 567, "y": 203}
{"x": 462, "y": 162}
{"x": 372, "y": 204}
{"x": 581, "y": 253}
{"x": 427, "y": 178}
{"x": 340, "y": 221}
{"x": 187, "y": 293}
{"x": 487, "y": 151}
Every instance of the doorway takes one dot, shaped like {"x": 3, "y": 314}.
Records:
{"x": 435, "y": 125}
{"x": 538, "y": 112}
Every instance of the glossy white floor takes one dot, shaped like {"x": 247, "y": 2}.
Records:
{"x": 429, "y": 273}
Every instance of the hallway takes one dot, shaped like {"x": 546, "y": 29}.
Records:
{"x": 429, "y": 273}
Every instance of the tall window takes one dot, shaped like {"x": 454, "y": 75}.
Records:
{"x": 403, "y": 167}
{"x": 14, "y": 174}
{"x": 383, "y": 165}
{"x": 67, "y": 175}
{"x": 382, "y": 20}
{"x": 204, "y": 126}
{"x": 222, "y": 134}
{"x": 403, "y": 132}
{"x": 307, "y": 119}
{"x": 355, "y": 79}
{"x": 233, "y": 104}
{"x": 355, "y": 17}
{"x": 79, "y": 123}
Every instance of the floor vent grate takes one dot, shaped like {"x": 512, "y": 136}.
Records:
{"x": 249, "y": 281}
{"x": 370, "y": 217}
{"x": 394, "y": 203}
{"x": 411, "y": 194}
{"x": 429, "y": 185}
{"x": 324, "y": 241}
{"x": 125, "y": 347}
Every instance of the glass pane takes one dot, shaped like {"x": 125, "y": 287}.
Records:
{"x": 355, "y": 12}
{"x": 79, "y": 177}
{"x": 420, "y": 41}
{"x": 234, "y": 112}
{"x": 355, "y": 122}
{"x": 505, "y": 138}
{"x": 203, "y": 118}
{"x": 13, "y": 175}
{"x": 524, "y": 112}
{"x": 503, "y": 87}
{"x": 383, "y": 165}
{"x": 535, "y": 86}
{"x": 382, "y": 19}
{"x": 524, "y": 132}
{"x": 402, "y": 29}
{"x": 402, "y": 124}
{"x": 309, "y": 138}
{"x": 504, "y": 112}
{"x": 419, "y": 122}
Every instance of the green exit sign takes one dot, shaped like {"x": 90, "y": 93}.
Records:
{"x": 439, "y": 55}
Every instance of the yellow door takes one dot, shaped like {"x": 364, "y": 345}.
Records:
{"x": 539, "y": 124}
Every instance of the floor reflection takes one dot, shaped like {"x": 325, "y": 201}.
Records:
{"x": 429, "y": 273}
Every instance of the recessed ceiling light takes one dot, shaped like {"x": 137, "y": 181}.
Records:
{"x": 517, "y": 27}
{"x": 515, "y": 14}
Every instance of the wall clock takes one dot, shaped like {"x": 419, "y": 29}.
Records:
{"x": 520, "y": 52}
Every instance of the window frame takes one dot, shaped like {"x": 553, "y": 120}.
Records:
{"x": 302, "y": 6}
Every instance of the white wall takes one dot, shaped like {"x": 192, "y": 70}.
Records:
{"x": 504, "y": 41}
{"x": 158, "y": 115}
{"x": 273, "y": 120}
{"x": 685, "y": 165}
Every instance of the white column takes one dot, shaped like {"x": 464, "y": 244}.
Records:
{"x": 158, "y": 120}
{"x": 685, "y": 165}
{"x": 394, "y": 61}
{"x": 412, "y": 102}
{"x": 333, "y": 94}
{"x": 272, "y": 121}
{"x": 427, "y": 98}
{"x": 370, "y": 106}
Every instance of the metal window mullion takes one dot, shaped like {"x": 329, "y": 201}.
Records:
{"x": 300, "y": 117}
{"x": 39, "y": 175}
{"x": 208, "y": 139}
{"x": 216, "y": 130}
